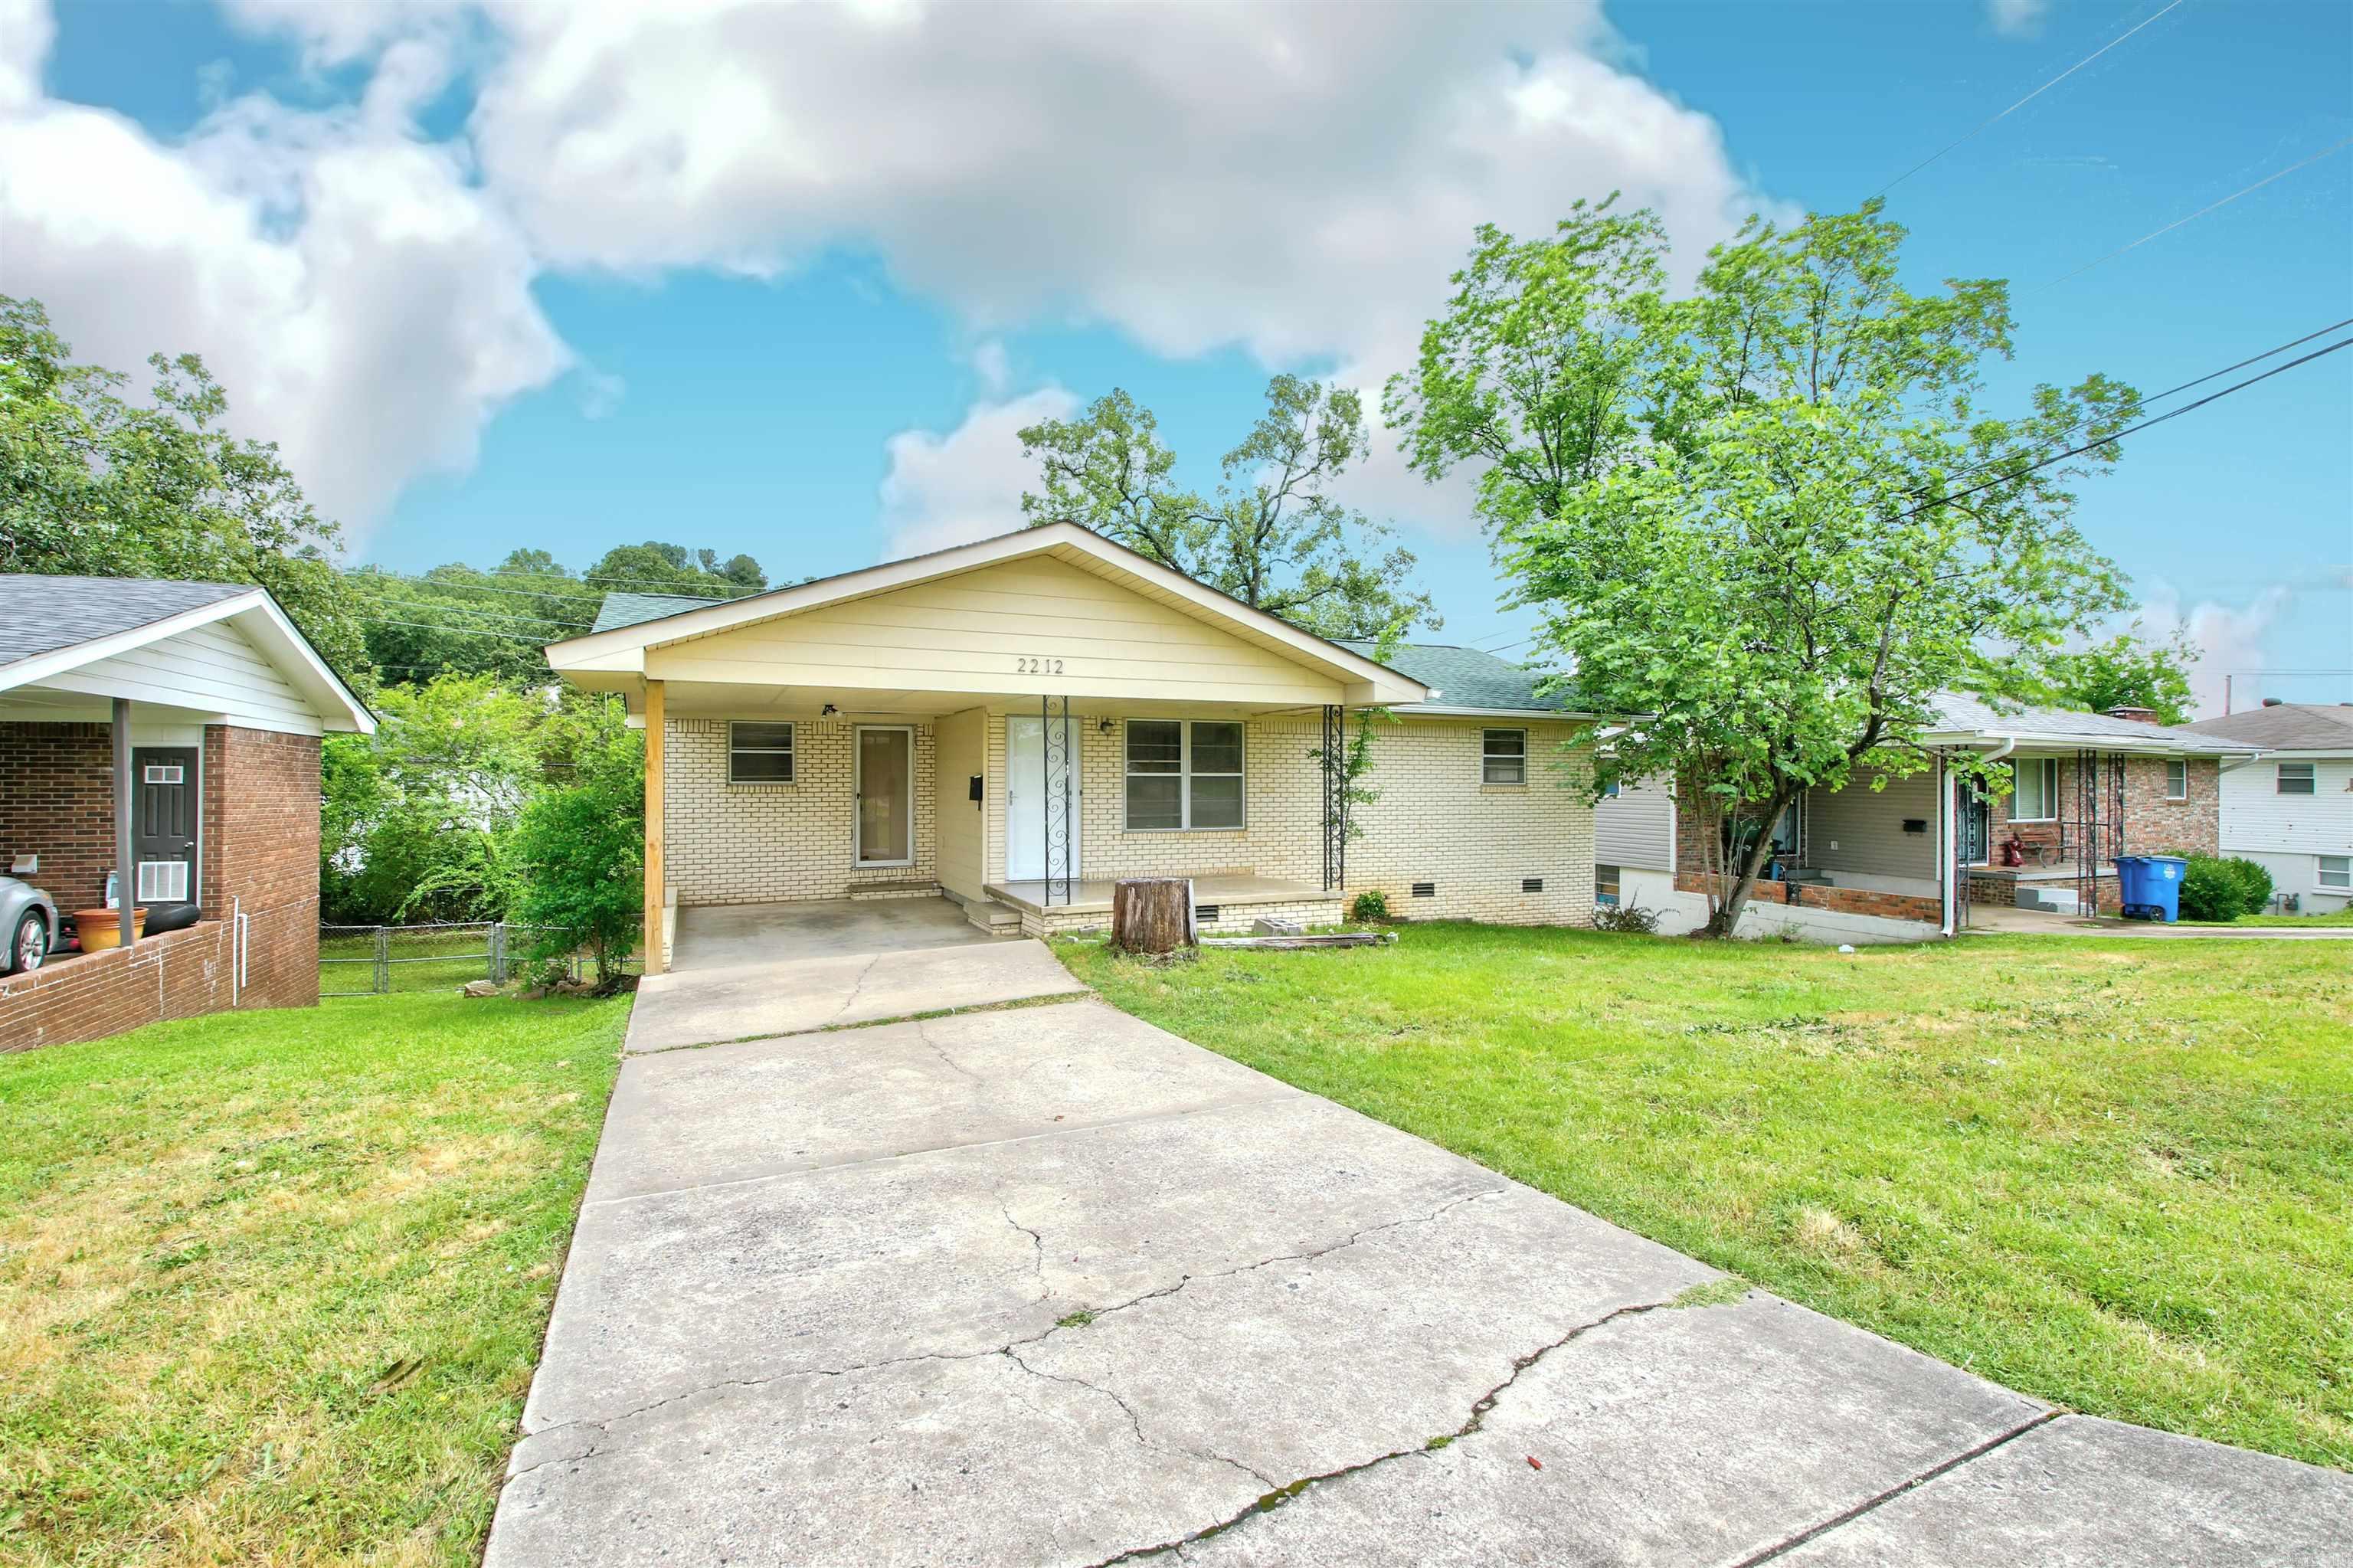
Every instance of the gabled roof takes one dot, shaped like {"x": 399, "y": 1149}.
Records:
{"x": 2286, "y": 727}
{"x": 1467, "y": 681}
{"x": 50, "y": 626}
{"x": 43, "y": 614}
{"x": 1961, "y": 718}
{"x": 619, "y": 610}
{"x": 622, "y": 633}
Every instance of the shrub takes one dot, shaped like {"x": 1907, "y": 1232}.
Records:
{"x": 1626, "y": 917}
{"x": 1370, "y": 906}
{"x": 2214, "y": 888}
{"x": 583, "y": 871}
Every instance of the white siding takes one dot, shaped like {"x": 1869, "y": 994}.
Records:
{"x": 212, "y": 670}
{"x": 1636, "y": 827}
{"x": 2257, "y": 818}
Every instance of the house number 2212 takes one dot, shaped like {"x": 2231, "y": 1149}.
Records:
{"x": 1027, "y": 666}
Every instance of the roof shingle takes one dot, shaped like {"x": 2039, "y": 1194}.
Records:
{"x": 42, "y": 614}
{"x": 2287, "y": 726}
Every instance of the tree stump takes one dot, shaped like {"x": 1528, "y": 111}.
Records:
{"x": 1151, "y": 914}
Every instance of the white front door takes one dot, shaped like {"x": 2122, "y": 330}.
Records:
{"x": 1025, "y": 803}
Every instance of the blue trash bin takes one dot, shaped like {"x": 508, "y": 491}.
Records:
{"x": 2149, "y": 886}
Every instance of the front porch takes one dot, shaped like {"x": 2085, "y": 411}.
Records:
{"x": 1222, "y": 902}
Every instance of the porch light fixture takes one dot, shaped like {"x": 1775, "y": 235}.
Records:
{"x": 828, "y": 711}
{"x": 1102, "y": 727}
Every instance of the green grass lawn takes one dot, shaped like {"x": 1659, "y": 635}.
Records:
{"x": 272, "y": 1284}
{"x": 2334, "y": 917}
{"x": 2115, "y": 1175}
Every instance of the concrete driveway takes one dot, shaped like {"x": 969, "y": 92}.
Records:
{"x": 1048, "y": 1285}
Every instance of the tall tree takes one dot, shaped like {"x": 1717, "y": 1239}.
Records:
{"x": 1771, "y": 519}
{"x": 1273, "y": 534}
{"x": 94, "y": 485}
{"x": 658, "y": 567}
{"x": 2126, "y": 671}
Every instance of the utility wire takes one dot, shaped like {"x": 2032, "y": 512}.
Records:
{"x": 2201, "y": 212}
{"x": 2130, "y": 431}
{"x": 413, "y": 608}
{"x": 659, "y": 587}
{"x": 459, "y": 631}
{"x": 2021, "y": 103}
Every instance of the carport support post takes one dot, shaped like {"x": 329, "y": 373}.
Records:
{"x": 126, "y": 876}
{"x": 655, "y": 705}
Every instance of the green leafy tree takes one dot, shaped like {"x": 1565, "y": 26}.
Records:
{"x": 458, "y": 620}
{"x": 657, "y": 567}
{"x": 419, "y": 819}
{"x": 2126, "y": 672}
{"x": 94, "y": 485}
{"x": 1273, "y": 535}
{"x": 580, "y": 846}
{"x": 1770, "y": 518}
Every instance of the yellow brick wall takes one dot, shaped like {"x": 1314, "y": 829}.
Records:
{"x": 1435, "y": 821}
{"x": 752, "y": 843}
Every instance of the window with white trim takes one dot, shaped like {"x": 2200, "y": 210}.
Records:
{"x": 2336, "y": 870}
{"x": 1605, "y": 886}
{"x": 1503, "y": 757}
{"x": 2177, "y": 780}
{"x": 759, "y": 752}
{"x": 1184, "y": 775}
{"x": 2295, "y": 779}
{"x": 2037, "y": 797}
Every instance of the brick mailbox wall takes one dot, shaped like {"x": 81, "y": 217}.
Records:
{"x": 261, "y": 856}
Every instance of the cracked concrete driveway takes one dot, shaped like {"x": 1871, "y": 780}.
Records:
{"x": 1050, "y": 1286}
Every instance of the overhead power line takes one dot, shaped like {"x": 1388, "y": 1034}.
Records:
{"x": 2130, "y": 431}
{"x": 413, "y": 608}
{"x": 657, "y": 585}
{"x": 459, "y": 630}
{"x": 2021, "y": 103}
{"x": 2209, "y": 206}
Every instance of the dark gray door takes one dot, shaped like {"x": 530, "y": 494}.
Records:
{"x": 163, "y": 818}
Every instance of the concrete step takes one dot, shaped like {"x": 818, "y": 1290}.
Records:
{"x": 895, "y": 890}
{"x": 990, "y": 916}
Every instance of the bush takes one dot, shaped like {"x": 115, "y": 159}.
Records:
{"x": 2217, "y": 889}
{"x": 1370, "y": 908}
{"x": 1626, "y": 917}
{"x": 581, "y": 852}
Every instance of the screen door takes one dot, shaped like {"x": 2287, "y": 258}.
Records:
{"x": 886, "y": 795}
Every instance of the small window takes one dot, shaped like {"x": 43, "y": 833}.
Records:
{"x": 1425, "y": 890}
{"x": 2177, "y": 780}
{"x": 759, "y": 753}
{"x": 1532, "y": 885}
{"x": 1609, "y": 789}
{"x": 163, "y": 773}
{"x": 1503, "y": 757}
{"x": 2295, "y": 779}
{"x": 1605, "y": 886}
{"x": 1184, "y": 774}
{"x": 2335, "y": 869}
{"x": 2037, "y": 797}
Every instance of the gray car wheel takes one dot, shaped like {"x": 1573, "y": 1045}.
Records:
{"x": 28, "y": 945}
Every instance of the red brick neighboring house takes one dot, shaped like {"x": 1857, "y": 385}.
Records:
{"x": 210, "y": 704}
{"x": 1915, "y": 854}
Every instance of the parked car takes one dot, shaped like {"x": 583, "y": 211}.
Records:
{"x": 30, "y": 916}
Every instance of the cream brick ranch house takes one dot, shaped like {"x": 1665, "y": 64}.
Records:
{"x": 1014, "y": 724}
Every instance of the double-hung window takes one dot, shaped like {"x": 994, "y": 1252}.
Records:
{"x": 1184, "y": 774}
{"x": 2336, "y": 870}
{"x": 1605, "y": 880}
{"x": 2177, "y": 780}
{"x": 2295, "y": 779}
{"x": 1503, "y": 757}
{"x": 2037, "y": 800}
{"x": 759, "y": 753}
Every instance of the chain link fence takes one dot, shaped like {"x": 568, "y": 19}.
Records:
{"x": 376, "y": 960}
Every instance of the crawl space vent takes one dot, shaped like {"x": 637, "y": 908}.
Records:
{"x": 1205, "y": 913}
{"x": 1425, "y": 890}
{"x": 1532, "y": 885}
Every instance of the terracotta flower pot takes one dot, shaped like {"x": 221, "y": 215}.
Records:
{"x": 100, "y": 928}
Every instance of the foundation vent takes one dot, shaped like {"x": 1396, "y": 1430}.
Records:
{"x": 1425, "y": 890}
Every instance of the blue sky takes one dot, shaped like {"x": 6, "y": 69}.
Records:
{"x": 799, "y": 315}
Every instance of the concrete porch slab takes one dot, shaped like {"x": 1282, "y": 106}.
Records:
{"x": 705, "y": 1007}
{"x": 730, "y": 936}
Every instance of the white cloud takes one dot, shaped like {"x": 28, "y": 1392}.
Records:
{"x": 2230, "y": 638}
{"x": 364, "y": 303}
{"x": 2017, "y": 18}
{"x": 967, "y": 485}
